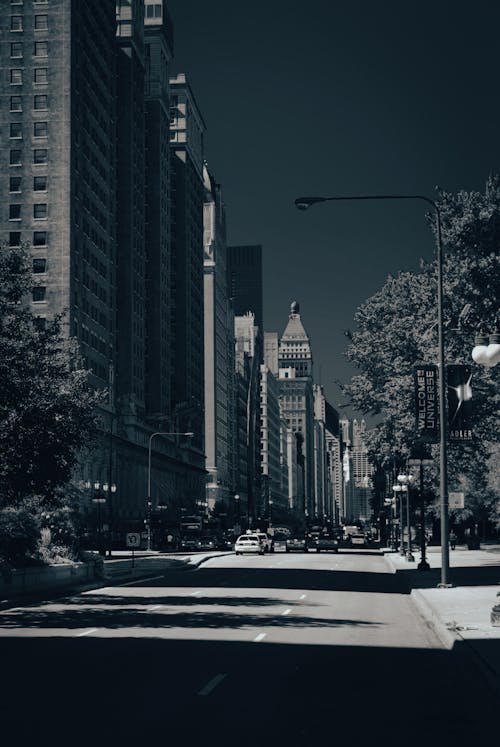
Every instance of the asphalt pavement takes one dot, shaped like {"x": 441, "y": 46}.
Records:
{"x": 282, "y": 649}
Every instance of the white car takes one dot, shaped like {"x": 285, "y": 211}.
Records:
{"x": 248, "y": 543}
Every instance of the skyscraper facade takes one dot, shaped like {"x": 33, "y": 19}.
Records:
{"x": 244, "y": 266}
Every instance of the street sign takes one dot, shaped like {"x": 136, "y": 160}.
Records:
{"x": 418, "y": 462}
{"x": 133, "y": 539}
{"x": 456, "y": 500}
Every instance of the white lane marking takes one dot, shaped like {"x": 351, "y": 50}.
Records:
{"x": 86, "y": 632}
{"x": 212, "y": 684}
{"x": 141, "y": 581}
{"x": 155, "y": 607}
{"x": 287, "y": 612}
{"x": 260, "y": 637}
{"x": 195, "y": 594}
{"x": 303, "y": 596}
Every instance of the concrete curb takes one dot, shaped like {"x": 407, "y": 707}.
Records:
{"x": 446, "y": 635}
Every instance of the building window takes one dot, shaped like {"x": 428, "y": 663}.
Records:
{"x": 39, "y": 238}
{"x": 40, "y": 211}
{"x": 15, "y": 158}
{"x": 40, "y": 101}
{"x": 16, "y": 129}
{"x": 16, "y": 77}
{"x": 15, "y": 184}
{"x": 14, "y": 212}
{"x": 15, "y": 238}
{"x": 41, "y": 23}
{"x": 16, "y": 23}
{"x": 39, "y": 293}
{"x": 16, "y": 104}
{"x": 16, "y": 49}
{"x": 40, "y": 129}
{"x": 39, "y": 322}
{"x": 40, "y": 75}
{"x": 39, "y": 183}
{"x": 40, "y": 155}
{"x": 41, "y": 49}
{"x": 39, "y": 265}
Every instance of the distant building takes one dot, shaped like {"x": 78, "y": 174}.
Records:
{"x": 244, "y": 266}
{"x": 273, "y": 455}
{"x": 357, "y": 472}
{"x": 219, "y": 354}
{"x": 297, "y": 401}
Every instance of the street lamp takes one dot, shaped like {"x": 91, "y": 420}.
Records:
{"x": 303, "y": 203}
{"x": 149, "y": 502}
{"x": 398, "y": 490}
{"x": 406, "y": 481}
{"x": 486, "y": 354}
{"x": 98, "y": 500}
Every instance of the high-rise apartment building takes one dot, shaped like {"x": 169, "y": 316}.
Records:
{"x": 187, "y": 196}
{"x": 244, "y": 265}
{"x": 273, "y": 455}
{"x": 58, "y": 163}
{"x": 158, "y": 52}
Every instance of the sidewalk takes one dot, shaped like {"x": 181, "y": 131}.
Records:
{"x": 461, "y": 616}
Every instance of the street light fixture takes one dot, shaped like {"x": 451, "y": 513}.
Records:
{"x": 303, "y": 203}
{"x": 406, "y": 481}
{"x": 149, "y": 504}
{"x": 486, "y": 354}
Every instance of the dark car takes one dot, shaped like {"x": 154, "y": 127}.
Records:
{"x": 296, "y": 544}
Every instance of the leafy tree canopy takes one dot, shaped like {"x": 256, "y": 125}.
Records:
{"x": 46, "y": 405}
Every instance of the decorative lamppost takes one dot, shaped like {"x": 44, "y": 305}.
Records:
{"x": 398, "y": 491}
{"x": 111, "y": 489}
{"x": 303, "y": 203}
{"x": 406, "y": 480}
{"x": 98, "y": 499}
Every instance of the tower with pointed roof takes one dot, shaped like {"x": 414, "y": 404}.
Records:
{"x": 295, "y": 347}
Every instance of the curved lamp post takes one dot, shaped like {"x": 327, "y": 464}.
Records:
{"x": 303, "y": 203}
{"x": 149, "y": 502}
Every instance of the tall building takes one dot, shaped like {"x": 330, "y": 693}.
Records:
{"x": 273, "y": 454}
{"x": 321, "y": 505}
{"x": 131, "y": 250}
{"x": 219, "y": 358}
{"x": 334, "y": 455}
{"x": 158, "y": 52}
{"x": 188, "y": 191}
{"x": 244, "y": 265}
{"x": 297, "y": 401}
{"x": 357, "y": 472}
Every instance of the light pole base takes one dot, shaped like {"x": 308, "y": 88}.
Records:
{"x": 410, "y": 557}
{"x": 423, "y": 566}
{"x": 444, "y": 586}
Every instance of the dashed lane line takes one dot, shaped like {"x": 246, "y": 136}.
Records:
{"x": 260, "y": 637}
{"x": 212, "y": 684}
{"x": 287, "y": 611}
{"x": 155, "y": 607}
{"x": 141, "y": 581}
{"x": 86, "y": 632}
{"x": 303, "y": 596}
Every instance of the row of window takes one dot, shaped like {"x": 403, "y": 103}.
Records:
{"x": 39, "y": 156}
{"x": 41, "y": 22}
{"x": 40, "y": 49}
{"x": 40, "y": 76}
{"x": 39, "y": 238}
{"x": 35, "y": 2}
{"x": 40, "y": 129}
{"x": 39, "y": 184}
{"x": 40, "y": 102}
{"x": 40, "y": 211}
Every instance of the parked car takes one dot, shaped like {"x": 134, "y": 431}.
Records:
{"x": 296, "y": 544}
{"x": 248, "y": 543}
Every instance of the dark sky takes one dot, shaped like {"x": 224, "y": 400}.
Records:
{"x": 329, "y": 97}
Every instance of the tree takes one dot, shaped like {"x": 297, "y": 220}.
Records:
{"x": 46, "y": 405}
{"x": 397, "y": 328}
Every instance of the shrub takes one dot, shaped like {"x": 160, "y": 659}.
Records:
{"x": 19, "y": 534}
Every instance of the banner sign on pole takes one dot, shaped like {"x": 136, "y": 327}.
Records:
{"x": 459, "y": 391}
{"x": 426, "y": 402}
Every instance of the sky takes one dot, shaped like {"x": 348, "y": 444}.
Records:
{"x": 328, "y": 98}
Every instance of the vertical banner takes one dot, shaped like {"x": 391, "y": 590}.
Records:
{"x": 426, "y": 402}
{"x": 459, "y": 395}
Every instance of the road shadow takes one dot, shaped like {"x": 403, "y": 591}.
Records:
{"x": 138, "y": 691}
{"x": 484, "y": 575}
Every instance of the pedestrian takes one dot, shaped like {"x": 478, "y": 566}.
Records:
{"x": 453, "y": 540}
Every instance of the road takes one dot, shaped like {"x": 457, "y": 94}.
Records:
{"x": 291, "y": 649}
